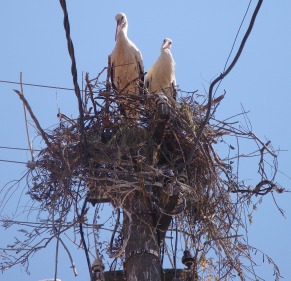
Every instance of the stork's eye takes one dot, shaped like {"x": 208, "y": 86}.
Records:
{"x": 122, "y": 17}
{"x": 164, "y": 40}
{"x": 170, "y": 42}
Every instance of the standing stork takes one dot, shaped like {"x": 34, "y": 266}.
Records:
{"x": 161, "y": 76}
{"x": 127, "y": 70}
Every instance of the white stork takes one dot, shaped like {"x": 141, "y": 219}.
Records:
{"x": 127, "y": 70}
{"x": 161, "y": 76}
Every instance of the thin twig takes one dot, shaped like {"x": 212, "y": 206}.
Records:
{"x": 83, "y": 237}
{"x": 42, "y": 132}
{"x": 91, "y": 93}
{"x": 25, "y": 118}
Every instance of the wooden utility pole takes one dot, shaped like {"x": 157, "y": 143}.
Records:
{"x": 142, "y": 249}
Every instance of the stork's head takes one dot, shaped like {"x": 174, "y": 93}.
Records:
{"x": 121, "y": 21}
{"x": 167, "y": 43}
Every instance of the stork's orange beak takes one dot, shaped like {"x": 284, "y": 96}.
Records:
{"x": 118, "y": 28}
{"x": 166, "y": 45}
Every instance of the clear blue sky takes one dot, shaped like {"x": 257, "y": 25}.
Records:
{"x": 33, "y": 41}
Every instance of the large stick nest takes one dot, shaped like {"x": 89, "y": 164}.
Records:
{"x": 131, "y": 152}
{"x": 132, "y": 144}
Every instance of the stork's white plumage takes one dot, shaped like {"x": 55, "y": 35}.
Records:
{"x": 161, "y": 76}
{"x": 127, "y": 73}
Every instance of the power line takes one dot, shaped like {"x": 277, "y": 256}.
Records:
{"x": 234, "y": 42}
{"x": 41, "y": 86}
{"x": 37, "y": 85}
{"x": 17, "y": 148}
{"x": 15, "y": 162}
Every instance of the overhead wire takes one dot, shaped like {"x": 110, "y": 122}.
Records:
{"x": 37, "y": 85}
{"x": 17, "y": 148}
{"x": 12, "y": 161}
{"x": 234, "y": 42}
{"x": 41, "y": 86}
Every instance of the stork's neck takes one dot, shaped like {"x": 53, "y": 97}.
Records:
{"x": 166, "y": 52}
{"x": 166, "y": 58}
{"x": 122, "y": 36}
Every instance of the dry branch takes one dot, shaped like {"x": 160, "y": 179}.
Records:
{"x": 27, "y": 106}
